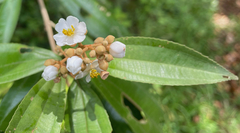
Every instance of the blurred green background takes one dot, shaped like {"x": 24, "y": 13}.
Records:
{"x": 211, "y": 27}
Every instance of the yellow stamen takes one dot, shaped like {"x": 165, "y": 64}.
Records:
{"x": 68, "y": 32}
{"x": 94, "y": 73}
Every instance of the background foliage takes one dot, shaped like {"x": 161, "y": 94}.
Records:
{"x": 206, "y": 25}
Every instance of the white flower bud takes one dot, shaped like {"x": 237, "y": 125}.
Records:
{"x": 74, "y": 64}
{"x": 50, "y": 73}
{"x": 117, "y": 49}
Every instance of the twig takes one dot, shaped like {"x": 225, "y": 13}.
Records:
{"x": 52, "y": 24}
{"x": 47, "y": 24}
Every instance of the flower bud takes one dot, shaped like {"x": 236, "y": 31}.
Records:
{"x": 57, "y": 66}
{"x": 101, "y": 57}
{"x": 92, "y": 53}
{"x": 83, "y": 66}
{"x": 86, "y": 60}
{"x": 49, "y": 62}
{"x": 63, "y": 70}
{"x": 104, "y": 74}
{"x": 57, "y": 49}
{"x": 65, "y": 75}
{"x": 78, "y": 51}
{"x": 110, "y": 39}
{"x": 103, "y": 65}
{"x": 117, "y": 49}
{"x": 70, "y": 52}
{"x": 100, "y": 50}
{"x": 74, "y": 64}
{"x": 99, "y": 40}
{"x": 57, "y": 80}
{"x": 108, "y": 57}
{"x": 50, "y": 73}
{"x": 105, "y": 43}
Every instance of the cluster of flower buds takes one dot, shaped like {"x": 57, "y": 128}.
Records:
{"x": 85, "y": 60}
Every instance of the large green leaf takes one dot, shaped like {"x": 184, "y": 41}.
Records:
{"x": 115, "y": 90}
{"x": 14, "y": 96}
{"x": 18, "y": 61}
{"x": 9, "y": 12}
{"x": 42, "y": 110}
{"x": 86, "y": 113}
{"x": 163, "y": 62}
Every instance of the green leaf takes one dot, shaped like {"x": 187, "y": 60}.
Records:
{"x": 9, "y": 13}
{"x": 150, "y": 60}
{"x": 19, "y": 61}
{"x": 118, "y": 123}
{"x": 42, "y": 109}
{"x": 116, "y": 90}
{"x": 14, "y": 96}
{"x": 4, "y": 88}
{"x": 86, "y": 113}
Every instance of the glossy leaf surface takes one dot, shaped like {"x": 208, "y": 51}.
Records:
{"x": 163, "y": 62}
{"x": 18, "y": 61}
{"x": 86, "y": 113}
{"x": 42, "y": 109}
{"x": 9, "y": 13}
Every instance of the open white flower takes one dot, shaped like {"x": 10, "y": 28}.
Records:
{"x": 74, "y": 64}
{"x": 92, "y": 71}
{"x": 117, "y": 49}
{"x": 50, "y": 73}
{"x": 70, "y": 31}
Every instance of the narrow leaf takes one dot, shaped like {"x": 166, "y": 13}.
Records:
{"x": 14, "y": 96}
{"x": 42, "y": 109}
{"x": 116, "y": 90}
{"x": 86, "y": 113}
{"x": 150, "y": 60}
{"x": 9, "y": 13}
{"x": 18, "y": 61}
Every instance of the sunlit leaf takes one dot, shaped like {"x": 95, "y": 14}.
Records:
{"x": 86, "y": 113}
{"x": 18, "y": 61}
{"x": 163, "y": 62}
{"x": 42, "y": 109}
{"x": 9, "y": 13}
{"x": 14, "y": 96}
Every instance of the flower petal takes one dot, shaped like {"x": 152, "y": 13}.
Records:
{"x": 69, "y": 40}
{"x": 94, "y": 64}
{"x": 88, "y": 78}
{"x": 98, "y": 69}
{"x": 72, "y": 21}
{"x": 81, "y": 28}
{"x": 60, "y": 39}
{"x": 78, "y": 38}
{"x": 117, "y": 55}
{"x": 61, "y": 25}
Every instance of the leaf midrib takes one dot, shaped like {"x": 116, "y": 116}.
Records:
{"x": 165, "y": 64}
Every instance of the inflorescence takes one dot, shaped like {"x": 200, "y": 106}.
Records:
{"x": 78, "y": 62}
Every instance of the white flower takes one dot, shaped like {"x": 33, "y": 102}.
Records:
{"x": 70, "y": 31}
{"x": 117, "y": 49}
{"x": 50, "y": 73}
{"x": 74, "y": 64}
{"x": 92, "y": 70}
